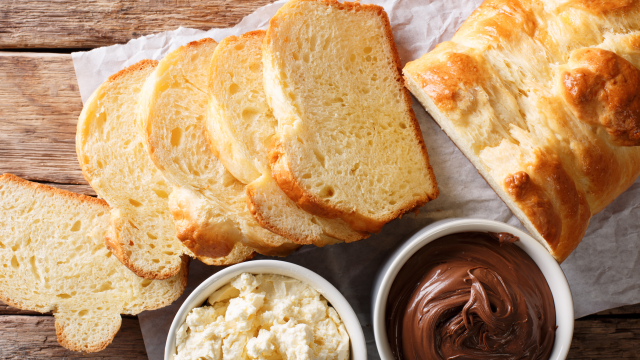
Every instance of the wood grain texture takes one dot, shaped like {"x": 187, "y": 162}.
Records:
{"x": 9, "y": 310}
{"x": 39, "y": 109}
{"x": 73, "y": 24}
{"x": 596, "y": 337}
{"x": 622, "y": 310}
{"x": 606, "y": 338}
{"x": 34, "y": 337}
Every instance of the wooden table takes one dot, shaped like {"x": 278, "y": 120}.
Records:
{"x": 39, "y": 107}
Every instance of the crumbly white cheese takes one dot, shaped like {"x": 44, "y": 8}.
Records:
{"x": 265, "y": 317}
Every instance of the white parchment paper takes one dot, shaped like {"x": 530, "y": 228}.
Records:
{"x": 603, "y": 272}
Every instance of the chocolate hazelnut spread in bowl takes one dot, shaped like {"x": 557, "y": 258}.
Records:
{"x": 472, "y": 289}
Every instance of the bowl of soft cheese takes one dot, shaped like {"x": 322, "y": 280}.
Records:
{"x": 265, "y": 309}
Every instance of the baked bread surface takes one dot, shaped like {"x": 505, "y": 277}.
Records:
{"x": 208, "y": 204}
{"x": 142, "y": 234}
{"x": 543, "y": 98}
{"x": 242, "y": 128}
{"x": 348, "y": 144}
{"x": 54, "y": 259}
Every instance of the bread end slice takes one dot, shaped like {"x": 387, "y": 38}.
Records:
{"x": 51, "y": 242}
{"x": 94, "y": 332}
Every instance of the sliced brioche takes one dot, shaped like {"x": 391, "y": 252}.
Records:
{"x": 210, "y": 205}
{"x": 242, "y": 127}
{"x": 54, "y": 259}
{"x": 113, "y": 160}
{"x": 348, "y": 143}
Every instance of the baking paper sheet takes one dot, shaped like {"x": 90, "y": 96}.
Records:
{"x": 603, "y": 272}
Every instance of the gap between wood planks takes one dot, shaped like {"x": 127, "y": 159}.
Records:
{"x": 610, "y": 334}
{"x": 34, "y": 337}
{"x": 27, "y": 24}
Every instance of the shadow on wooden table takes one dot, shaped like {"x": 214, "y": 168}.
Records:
{"x": 610, "y": 334}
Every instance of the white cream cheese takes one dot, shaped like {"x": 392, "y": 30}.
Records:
{"x": 265, "y": 317}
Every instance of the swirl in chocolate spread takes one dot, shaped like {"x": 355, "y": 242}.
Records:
{"x": 468, "y": 296}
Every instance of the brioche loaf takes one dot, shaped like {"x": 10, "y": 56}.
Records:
{"x": 54, "y": 259}
{"x": 242, "y": 127}
{"x": 208, "y": 203}
{"x": 347, "y": 143}
{"x": 543, "y": 98}
{"x": 113, "y": 160}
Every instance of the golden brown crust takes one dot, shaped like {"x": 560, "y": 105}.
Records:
{"x": 603, "y": 88}
{"x": 600, "y": 167}
{"x": 239, "y": 253}
{"x": 277, "y": 154}
{"x": 531, "y": 105}
{"x": 442, "y": 80}
{"x": 536, "y": 206}
{"x": 197, "y": 43}
{"x": 140, "y": 65}
{"x": 315, "y": 205}
{"x": 290, "y": 186}
{"x": 570, "y": 203}
{"x": 633, "y": 42}
{"x": 211, "y": 248}
{"x": 550, "y": 200}
{"x": 201, "y": 242}
{"x": 113, "y": 242}
{"x": 20, "y": 305}
{"x": 66, "y": 343}
{"x": 500, "y": 20}
{"x": 64, "y": 193}
{"x": 184, "y": 279}
{"x": 254, "y": 207}
{"x": 605, "y": 7}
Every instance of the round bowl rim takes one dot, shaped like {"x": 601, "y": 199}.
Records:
{"x": 357, "y": 341}
{"x": 550, "y": 268}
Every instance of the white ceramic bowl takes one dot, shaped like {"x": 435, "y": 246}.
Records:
{"x": 222, "y": 277}
{"x": 547, "y": 264}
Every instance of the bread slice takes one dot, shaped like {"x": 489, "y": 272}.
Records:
{"x": 113, "y": 160}
{"x": 210, "y": 205}
{"x": 348, "y": 143}
{"x": 242, "y": 127}
{"x": 546, "y": 109}
{"x": 54, "y": 258}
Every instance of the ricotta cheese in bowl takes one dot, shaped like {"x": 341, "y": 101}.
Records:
{"x": 263, "y": 316}
{"x": 267, "y": 310}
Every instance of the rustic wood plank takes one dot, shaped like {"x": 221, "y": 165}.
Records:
{"x": 9, "y": 310}
{"x": 606, "y": 338}
{"x": 76, "y": 24}
{"x": 39, "y": 107}
{"x": 34, "y": 337}
{"x": 622, "y": 310}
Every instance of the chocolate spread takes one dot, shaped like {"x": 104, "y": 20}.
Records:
{"x": 471, "y": 296}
